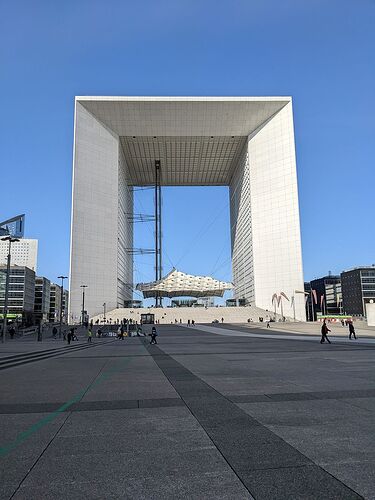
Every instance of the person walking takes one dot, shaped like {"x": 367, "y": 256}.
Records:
{"x": 188, "y": 323}
{"x": 73, "y": 333}
{"x": 192, "y": 322}
{"x": 351, "y": 331}
{"x": 69, "y": 336}
{"x": 12, "y": 331}
{"x": 54, "y": 332}
{"x": 324, "y": 331}
{"x": 89, "y": 335}
{"x": 153, "y": 334}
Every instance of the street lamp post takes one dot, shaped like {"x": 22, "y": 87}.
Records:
{"x": 5, "y": 311}
{"x": 62, "y": 278}
{"x": 83, "y": 303}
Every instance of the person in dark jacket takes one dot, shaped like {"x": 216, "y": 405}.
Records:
{"x": 324, "y": 331}
{"x": 153, "y": 335}
{"x": 351, "y": 331}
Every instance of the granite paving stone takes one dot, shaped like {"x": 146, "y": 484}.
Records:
{"x": 201, "y": 415}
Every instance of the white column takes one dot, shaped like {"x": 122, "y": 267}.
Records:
{"x": 276, "y": 240}
{"x": 95, "y": 219}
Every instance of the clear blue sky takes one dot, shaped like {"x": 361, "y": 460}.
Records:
{"x": 319, "y": 52}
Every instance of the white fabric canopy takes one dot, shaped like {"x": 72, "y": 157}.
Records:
{"x": 178, "y": 284}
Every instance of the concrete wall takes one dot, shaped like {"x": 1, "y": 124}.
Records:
{"x": 275, "y": 224}
{"x": 95, "y": 223}
{"x": 125, "y": 234}
{"x": 265, "y": 226}
{"x": 241, "y": 234}
{"x": 370, "y": 314}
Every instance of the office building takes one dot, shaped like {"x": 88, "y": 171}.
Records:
{"x": 21, "y": 292}
{"x": 14, "y": 227}
{"x": 244, "y": 143}
{"x": 55, "y": 303}
{"x": 24, "y": 253}
{"x": 65, "y": 306}
{"x": 42, "y": 299}
{"x": 358, "y": 289}
{"x": 328, "y": 295}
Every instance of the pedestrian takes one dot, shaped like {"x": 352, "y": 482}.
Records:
{"x": 342, "y": 323}
{"x": 99, "y": 333}
{"x": 12, "y": 331}
{"x": 153, "y": 334}
{"x": 324, "y": 331}
{"x": 69, "y": 336}
{"x": 222, "y": 320}
{"x": 89, "y": 335}
{"x": 268, "y": 323}
{"x": 192, "y": 322}
{"x": 188, "y": 323}
{"x": 73, "y": 333}
{"x": 54, "y": 332}
{"x": 351, "y": 331}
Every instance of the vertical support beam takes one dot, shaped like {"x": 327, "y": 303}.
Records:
{"x": 157, "y": 228}
{"x": 160, "y": 241}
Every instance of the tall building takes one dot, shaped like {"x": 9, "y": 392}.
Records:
{"x": 23, "y": 253}
{"x": 358, "y": 288}
{"x": 244, "y": 143}
{"x": 21, "y": 292}
{"x": 55, "y": 303}
{"x": 42, "y": 298}
{"x": 328, "y": 294}
{"x": 65, "y": 306}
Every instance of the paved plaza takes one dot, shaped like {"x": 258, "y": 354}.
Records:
{"x": 224, "y": 412}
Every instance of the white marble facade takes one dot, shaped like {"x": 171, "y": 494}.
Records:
{"x": 246, "y": 143}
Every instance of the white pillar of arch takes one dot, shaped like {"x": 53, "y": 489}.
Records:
{"x": 100, "y": 228}
{"x": 265, "y": 225}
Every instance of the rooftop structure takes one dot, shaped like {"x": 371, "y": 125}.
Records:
{"x": 14, "y": 227}
{"x": 178, "y": 284}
